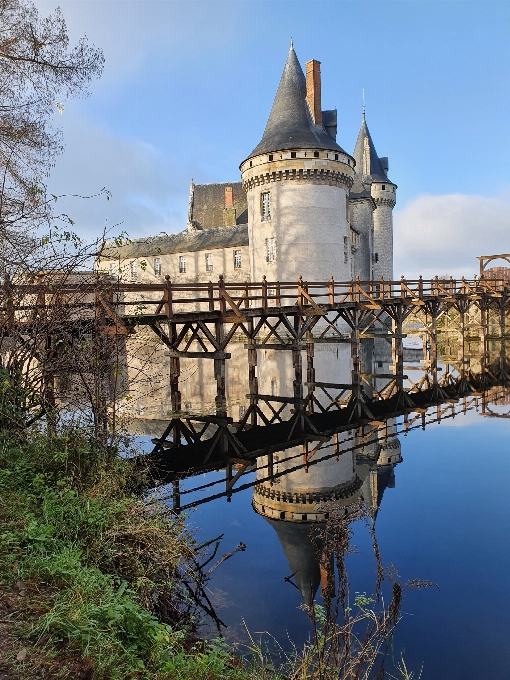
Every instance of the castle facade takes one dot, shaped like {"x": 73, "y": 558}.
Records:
{"x": 304, "y": 206}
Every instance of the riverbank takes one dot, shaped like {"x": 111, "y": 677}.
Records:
{"x": 96, "y": 584}
{"x": 90, "y": 575}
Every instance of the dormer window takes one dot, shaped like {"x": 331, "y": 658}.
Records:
{"x": 293, "y": 154}
{"x": 270, "y": 156}
{"x": 316, "y": 154}
{"x": 336, "y": 157}
{"x": 265, "y": 206}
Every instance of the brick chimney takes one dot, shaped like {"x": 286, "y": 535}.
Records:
{"x": 229, "y": 211}
{"x": 313, "y": 89}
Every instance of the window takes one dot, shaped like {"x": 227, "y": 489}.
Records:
{"x": 133, "y": 269}
{"x": 270, "y": 156}
{"x": 188, "y": 406}
{"x": 384, "y": 187}
{"x": 274, "y": 387}
{"x": 265, "y": 207}
{"x": 336, "y": 157}
{"x": 237, "y": 259}
{"x": 182, "y": 264}
{"x": 292, "y": 154}
{"x": 251, "y": 164}
{"x": 157, "y": 266}
{"x": 270, "y": 249}
{"x": 208, "y": 262}
{"x": 242, "y": 412}
{"x": 316, "y": 154}
{"x": 346, "y": 249}
{"x": 112, "y": 269}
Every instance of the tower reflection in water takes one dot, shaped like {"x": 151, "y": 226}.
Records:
{"x": 293, "y": 501}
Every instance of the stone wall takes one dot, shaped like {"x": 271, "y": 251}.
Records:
{"x": 310, "y": 226}
{"x": 361, "y": 219}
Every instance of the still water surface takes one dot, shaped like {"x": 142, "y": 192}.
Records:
{"x": 443, "y": 516}
{"x": 447, "y": 520}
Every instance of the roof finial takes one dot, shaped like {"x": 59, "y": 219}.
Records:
{"x": 291, "y": 44}
{"x": 363, "y": 106}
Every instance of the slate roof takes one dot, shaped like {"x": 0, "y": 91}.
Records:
{"x": 359, "y": 189}
{"x": 376, "y": 173}
{"x": 302, "y": 554}
{"x": 183, "y": 242}
{"x": 209, "y": 204}
{"x": 290, "y": 124}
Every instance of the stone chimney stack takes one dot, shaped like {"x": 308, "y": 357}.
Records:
{"x": 313, "y": 89}
{"x": 229, "y": 211}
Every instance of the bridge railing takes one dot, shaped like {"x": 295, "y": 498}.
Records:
{"x": 21, "y": 303}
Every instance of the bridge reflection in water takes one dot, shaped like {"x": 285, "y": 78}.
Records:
{"x": 302, "y": 444}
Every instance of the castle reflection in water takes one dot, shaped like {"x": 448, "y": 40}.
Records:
{"x": 291, "y": 499}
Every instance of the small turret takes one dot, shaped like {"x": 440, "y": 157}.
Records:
{"x": 372, "y": 175}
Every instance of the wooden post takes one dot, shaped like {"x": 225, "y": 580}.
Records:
{"x": 168, "y": 298}
{"x": 9, "y": 293}
{"x": 252, "y": 373}
{"x": 264, "y": 294}
{"x": 331, "y": 291}
{"x": 310, "y": 370}
{"x": 210, "y": 291}
{"x": 219, "y": 370}
{"x": 221, "y": 288}
{"x": 175, "y": 371}
{"x": 297, "y": 360}
{"x": 176, "y": 495}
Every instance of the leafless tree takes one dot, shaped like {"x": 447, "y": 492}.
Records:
{"x": 38, "y": 72}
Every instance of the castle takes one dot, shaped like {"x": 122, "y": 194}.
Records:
{"x": 304, "y": 206}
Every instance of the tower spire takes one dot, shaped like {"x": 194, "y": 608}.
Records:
{"x": 363, "y": 106}
{"x": 291, "y": 44}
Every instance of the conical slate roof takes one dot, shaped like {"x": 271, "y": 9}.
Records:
{"x": 290, "y": 124}
{"x": 302, "y": 553}
{"x": 376, "y": 172}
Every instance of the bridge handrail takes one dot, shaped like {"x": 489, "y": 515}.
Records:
{"x": 169, "y": 298}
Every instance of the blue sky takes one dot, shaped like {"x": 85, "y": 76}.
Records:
{"x": 188, "y": 86}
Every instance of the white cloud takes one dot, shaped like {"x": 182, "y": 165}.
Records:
{"x": 444, "y": 234}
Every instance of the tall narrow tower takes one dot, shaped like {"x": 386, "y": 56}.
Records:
{"x": 297, "y": 182}
{"x": 373, "y": 173}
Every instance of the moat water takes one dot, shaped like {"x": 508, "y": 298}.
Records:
{"x": 443, "y": 515}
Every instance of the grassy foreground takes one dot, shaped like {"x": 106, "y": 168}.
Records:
{"x": 94, "y": 582}
{"x": 88, "y": 571}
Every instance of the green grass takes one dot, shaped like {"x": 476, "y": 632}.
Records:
{"x": 95, "y": 561}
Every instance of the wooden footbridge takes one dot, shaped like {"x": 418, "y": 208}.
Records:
{"x": 200, "y": 320}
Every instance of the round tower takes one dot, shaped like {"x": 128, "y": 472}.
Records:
{"x": 291, "y": 504}
{"x": 373, "y": 173}
{"x": 297, "y": 182}
{"x": 384, "y": 195}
